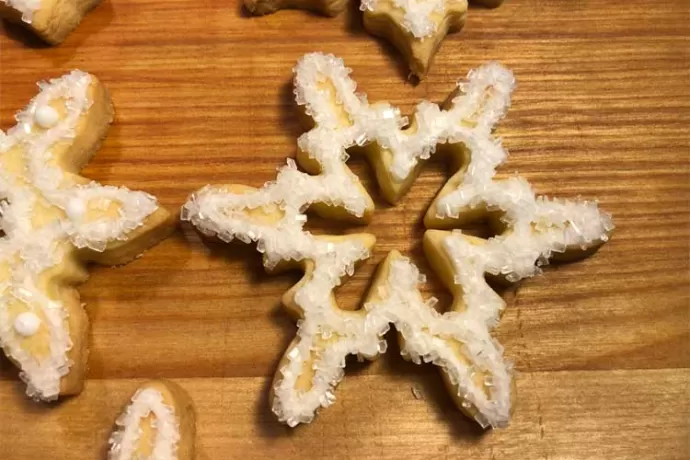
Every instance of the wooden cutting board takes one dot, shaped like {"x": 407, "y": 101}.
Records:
{"x": 203, "y": 95}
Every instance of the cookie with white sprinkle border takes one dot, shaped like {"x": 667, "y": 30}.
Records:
{"x": 159, "y": 423}
{"x": 52, "y": 20}
{"x": 415, "y": 27}
{"x": 459, "y": 341}
{"x": 53, "y": 223}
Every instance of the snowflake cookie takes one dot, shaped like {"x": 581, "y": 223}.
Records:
{"x": 158, "y": 424}
{"x": 52, "y": 20}
{"x": 415, "y": 27}
{"x": 53, "y": 221}
{"x": 531, "y": 230}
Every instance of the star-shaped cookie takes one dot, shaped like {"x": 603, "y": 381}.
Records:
{"x": 530, "y": 230}
{"x": 55, "y": 221}
{"x": 415, "y": 27}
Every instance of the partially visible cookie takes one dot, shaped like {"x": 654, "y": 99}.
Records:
{"x": 416, "y": 28}
{"x": 54, "y": 221}
{"x": 158, "y": 424}
{"x": 52, "y": 20}
{"x": 325, "y": 7}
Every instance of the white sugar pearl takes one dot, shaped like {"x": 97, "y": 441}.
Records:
{"x": 46, "y": 116}
{"x": 76, "y": 209}
{"x": 27, "y": 324}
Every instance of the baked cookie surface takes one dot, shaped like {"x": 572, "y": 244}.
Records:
{"x": 159, "y": 423}
{"x": 415, "y": 27}
{"x": 55, "y": 221}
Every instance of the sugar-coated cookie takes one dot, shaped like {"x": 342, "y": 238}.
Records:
{"x": 52, "y": 20}
{"x": 415, "y": 27}
{"x": 53, "y": 221}
{"x": 530, "y": 230}
{"x": 158, "y": 424}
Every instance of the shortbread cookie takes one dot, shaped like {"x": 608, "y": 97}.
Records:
{"x": 158, "y": 424}
{"x": 459, "y": 342}
{"x": 53, "y": 221}
{"x": 476, "y": 374}
{"x": 52, "y": 20}
{"x": 416, "y": 28}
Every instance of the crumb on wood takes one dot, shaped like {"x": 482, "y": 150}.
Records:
{"x": 417, "y": 392}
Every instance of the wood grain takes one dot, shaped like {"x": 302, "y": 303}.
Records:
{"x": 203, "y": 95}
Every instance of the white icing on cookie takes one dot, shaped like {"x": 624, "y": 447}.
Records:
{"x": 469, "y": 120}
{"x": 26, "y": 7}
{"x": 418, "y": 14}
{"x": 32, "y": 184}
{"x": 125, "y": 440}
{"x": 537, "y": 225}
{"x": 429, "y": 338}
{"x": 535, "y": 229}
{"x": 327, "y": 334}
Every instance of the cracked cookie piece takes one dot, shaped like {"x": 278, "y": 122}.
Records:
{"x": 52, "y": 20}
{"x": 53, "y": 222}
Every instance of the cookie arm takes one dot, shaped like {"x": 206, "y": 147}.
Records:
{"x": 159, "y": 422}
{"x": 153, "y": 230}
{"x": 50, "y": 217}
